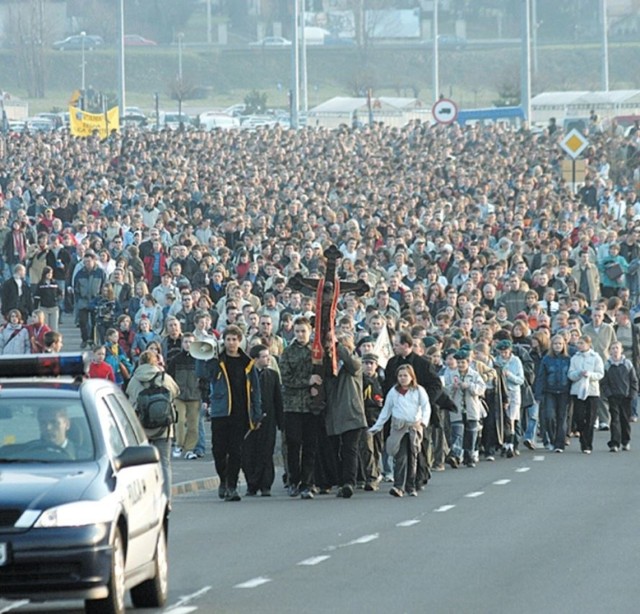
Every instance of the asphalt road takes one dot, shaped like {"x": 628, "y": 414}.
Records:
{"x": 543, "y": 532}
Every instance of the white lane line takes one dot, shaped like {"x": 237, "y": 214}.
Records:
{"x": 407, "y": 523}
{"x": 444, "y": 508}
{"x": 522, "y": 470}
{"x": 365, "y": 539}
{"x": 538, "y": 458}
{"x": 182, "y": 610}
{"x": 253, "y": 583}
{"x": 473, "y": 495}
{"x": 501, "y": 482}
{"x": 183, "y": 601}
{"x": 314, "y": 560}
{"x": 14, "y": 606}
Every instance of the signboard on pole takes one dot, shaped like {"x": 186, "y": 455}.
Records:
{"x": 445, "y": 111}
{"x": 574, "y": 143}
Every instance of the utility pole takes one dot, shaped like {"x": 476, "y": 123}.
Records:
{"x": 121, "y": 71}
{"x": 436, "y": 58}
{"x": 295, "y": 66}
{"x": 525, "y": 63}
{"x": 605, "y": 45}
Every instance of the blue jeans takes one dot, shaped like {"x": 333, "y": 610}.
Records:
{"x": 457, "y": 434}
{"x": 532, "y": 422}
{"x": 202, "y": 442}
{"x": 554, "y": 418}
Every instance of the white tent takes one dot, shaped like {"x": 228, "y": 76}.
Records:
{"x": 391, "y": 111}
{"x": 579, "y": 104}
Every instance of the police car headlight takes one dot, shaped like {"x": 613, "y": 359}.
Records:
{"x": 79, "y": 514}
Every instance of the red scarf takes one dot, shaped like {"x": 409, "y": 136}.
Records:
{"x": 19, "y": 247}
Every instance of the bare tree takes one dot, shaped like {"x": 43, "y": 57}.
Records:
{"x": 28, "y": 28}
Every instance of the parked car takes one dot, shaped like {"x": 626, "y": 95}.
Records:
{"x": 54, "y": 118}
{"x": 211, "y": 120}
{"x": 133, "y": 116}
{"x": 173, "y": 120}
{"x": 271, "y": 41}
{"x": 135, "y": 40}
{"x": 83, "y": 514}
{"x": 40, "y": 124}
{"x": 77, "y": 41}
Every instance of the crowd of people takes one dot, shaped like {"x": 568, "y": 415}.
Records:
{"x": 500, "y": 310}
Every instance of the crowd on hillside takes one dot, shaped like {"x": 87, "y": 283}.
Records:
{"x": 505, "y": 292}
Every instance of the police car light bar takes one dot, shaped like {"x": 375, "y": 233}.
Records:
{"x": 29, "y": 365}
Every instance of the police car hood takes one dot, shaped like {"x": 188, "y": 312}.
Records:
{"x": 39, "y": 487}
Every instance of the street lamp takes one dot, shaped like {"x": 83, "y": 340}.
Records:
{"x": 180, "y": 89}
{"x": 83, "y": 36}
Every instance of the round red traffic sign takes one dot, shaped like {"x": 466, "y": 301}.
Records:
{"x": 445, "y": 111}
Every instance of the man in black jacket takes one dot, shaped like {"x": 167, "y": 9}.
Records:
{"x": 257, "y": 453}
{"x": 16, "y": 293}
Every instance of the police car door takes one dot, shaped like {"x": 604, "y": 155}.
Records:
{"x": 138, "y": 488}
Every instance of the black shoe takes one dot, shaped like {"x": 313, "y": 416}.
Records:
{"x": 293, "y": 491}
{"x": 347, "y": 491}
{"x": 453, "y": 461}
{"x": 251, "y": 493}
{"x": 371, "y": 486}
{"x": 222, "y": 491}
{"x": 232, "y": 495}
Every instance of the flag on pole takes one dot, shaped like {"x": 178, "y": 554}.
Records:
{"x": 383, "y": 347}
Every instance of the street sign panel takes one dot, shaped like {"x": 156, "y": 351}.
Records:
{"x": 445, "y": 111}
{"x": 574, "y": 143}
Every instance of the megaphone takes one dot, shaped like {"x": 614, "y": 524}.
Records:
{"x": 204, "y": 350}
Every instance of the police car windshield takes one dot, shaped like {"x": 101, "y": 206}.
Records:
{"x": 44, "y": 431}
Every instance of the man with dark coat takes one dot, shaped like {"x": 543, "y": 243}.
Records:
{"x": 257, "y": 453}
{"x": 16, "y": 293}
{"x": 344, "y": 416}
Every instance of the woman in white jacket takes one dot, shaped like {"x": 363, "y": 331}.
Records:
{"x": 14, "y": 336}
{"x": 585, "y": 371}
{"x": 407, "y": 404}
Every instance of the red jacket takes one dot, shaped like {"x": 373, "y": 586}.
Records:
{"x": 148, "y": 266}
{"x": 103, "y": 370}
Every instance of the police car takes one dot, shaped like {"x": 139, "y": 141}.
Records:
{"x": 82, "y": 510}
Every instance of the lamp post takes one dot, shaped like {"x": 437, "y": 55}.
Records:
{"x": 605, "y": 45}
{"x": 436, "y": 58}
{"x": 121, "y": 73}
{"x": 180, "y": 39}
{"x": 83, "y": 36}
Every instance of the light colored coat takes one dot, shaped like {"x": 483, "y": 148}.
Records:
{"x": 469, "y": 400}
{"x": 591, "y": 363}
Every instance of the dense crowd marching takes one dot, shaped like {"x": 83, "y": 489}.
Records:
{"x": 500, "y": 312}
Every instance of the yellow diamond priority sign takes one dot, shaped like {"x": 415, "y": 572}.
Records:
{"x": 574, "y": 143}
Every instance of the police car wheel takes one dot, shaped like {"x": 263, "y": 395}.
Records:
{"x": 153, "y": 593}
{"x": 114, "y": 603}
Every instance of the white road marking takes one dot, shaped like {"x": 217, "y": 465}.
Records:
{"x": 314, "y": 560}
{"x": 365, "y": 539}
{"x": 253, "y": 583}
{"x": 538, "y": 458}
{"x": 501, "y": 482}
{"x": 14, "y": 606}
{"x": 522, "y": 470}
{"x": 407, "y": 523}
{"x": 473, "y": 495}
{"x": 183, "y": 601}
{"x": 182, "y": 609}
{"x": 444, "y": 508}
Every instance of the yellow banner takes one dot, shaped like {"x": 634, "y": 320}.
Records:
{"x": 84, "y": 124}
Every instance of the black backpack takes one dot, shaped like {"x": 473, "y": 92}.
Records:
{"x": 154, "y": 406}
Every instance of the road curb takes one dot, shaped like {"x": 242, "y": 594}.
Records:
{"x": 193, "y": 486}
